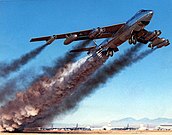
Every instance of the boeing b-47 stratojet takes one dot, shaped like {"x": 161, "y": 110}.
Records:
{"x": 133, "y": 30}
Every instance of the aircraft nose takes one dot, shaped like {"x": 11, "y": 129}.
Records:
{"x": 151, "y": 12}
{"x": 149, "y": 15}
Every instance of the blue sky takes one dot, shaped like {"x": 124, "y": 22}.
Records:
{"x": 142, "y": 90}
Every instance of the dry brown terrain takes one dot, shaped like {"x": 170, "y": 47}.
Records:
{"x": 102, "y": 133}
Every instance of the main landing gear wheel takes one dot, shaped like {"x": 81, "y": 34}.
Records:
{"x": 132, "y": 40}
{"x": 158, "y": 32}
{"x": 109, "y": 52}
{"x": 151, "y": 45}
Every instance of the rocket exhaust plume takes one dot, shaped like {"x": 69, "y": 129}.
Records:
{"x": 16, "y": 84}
{"x": 62, "y": 61}
{"x": 106, "y": 72}
{"x": 87, "y": 88}
{"x": 8, "y": 89}
{"x": 41, "y": 98}
{"x": 96, "y": 80}
{"x": 99, "y": 78}
{"x": 15, "y": 65}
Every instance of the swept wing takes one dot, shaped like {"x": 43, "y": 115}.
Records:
{"x": 97, "y": 33}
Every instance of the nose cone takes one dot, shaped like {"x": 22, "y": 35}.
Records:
{"x": 150, "y": 12}
{"x": 148, "y": 15}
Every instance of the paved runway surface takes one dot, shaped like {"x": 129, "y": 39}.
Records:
{"x": 103, "y": 133}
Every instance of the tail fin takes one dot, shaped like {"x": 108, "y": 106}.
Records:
{"x": 84, "y": 49}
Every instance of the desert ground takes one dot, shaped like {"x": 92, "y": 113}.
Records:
{"x": 102, "y": 133}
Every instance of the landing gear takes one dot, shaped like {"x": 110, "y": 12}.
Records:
{"x": 110, "y": 51}
{"x": 132, "y": 40}
{"x": 158, "y": 32}
{"x": 150, "y": 45}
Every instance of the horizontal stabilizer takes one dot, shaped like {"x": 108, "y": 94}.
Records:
{"x": 84, "y": 49}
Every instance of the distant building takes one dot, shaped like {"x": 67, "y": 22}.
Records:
{"x": 164, "y": 127}
{"x": 124, "y": 128}
{"x": 143, "y": 127}
{"x": 96, "y": 128}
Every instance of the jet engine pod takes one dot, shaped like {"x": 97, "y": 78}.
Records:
{"x": 70, "y": 39}
{"x": 95, "y": 32}
{"x": 159, "y": 43}
{"x": 165, "y": 43}
{"x": 153, "y": 35}
{"x": 50, "y": 40}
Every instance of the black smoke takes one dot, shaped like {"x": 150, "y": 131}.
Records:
{"x": 29, "y": 77}
{"x": 66, "y": 58}
{"x": 101, "y": 76}
{"x": 40, "y": 99}
{"x": 15, "y": 65}
{"x": 128, "y": 58}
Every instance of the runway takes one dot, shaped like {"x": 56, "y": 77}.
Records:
{"x": 100, "y": 132}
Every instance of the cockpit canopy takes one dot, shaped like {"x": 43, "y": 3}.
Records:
{"x": 143, "y": 16}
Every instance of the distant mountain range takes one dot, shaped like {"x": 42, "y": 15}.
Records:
{"x": 125, "y": 122}
{"x": 145, "y": 121}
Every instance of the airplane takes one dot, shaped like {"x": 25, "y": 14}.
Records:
{"x": 133, "y": 30}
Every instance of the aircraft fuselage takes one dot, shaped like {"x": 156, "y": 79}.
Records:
{"x": 136, "y": 23}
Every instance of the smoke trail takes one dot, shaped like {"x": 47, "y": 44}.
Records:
{"x": 107, "y": 72}
{"x": 62, "y": 61}
{"x": 41, "y": 98}
{"x": 15, "y": 65}
{"x": 15, "y": 84}
{"x": 100, "y": 77}
{"x": 27, "y": 78}
{"x": 72, "y": 101}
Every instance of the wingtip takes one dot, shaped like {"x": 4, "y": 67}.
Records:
{"x": 31, "y": 40}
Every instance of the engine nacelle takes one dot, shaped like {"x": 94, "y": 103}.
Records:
{"x": 159, "y": 43}
{"x": 165, "y": 43}
{"x": 70, "y": 39}
{"x": 50, "y": 40}
{"x": 95, "y": 32}
{"x": 153, "y": 35}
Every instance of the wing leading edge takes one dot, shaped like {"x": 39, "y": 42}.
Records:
{"x": 97, "y": 33}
